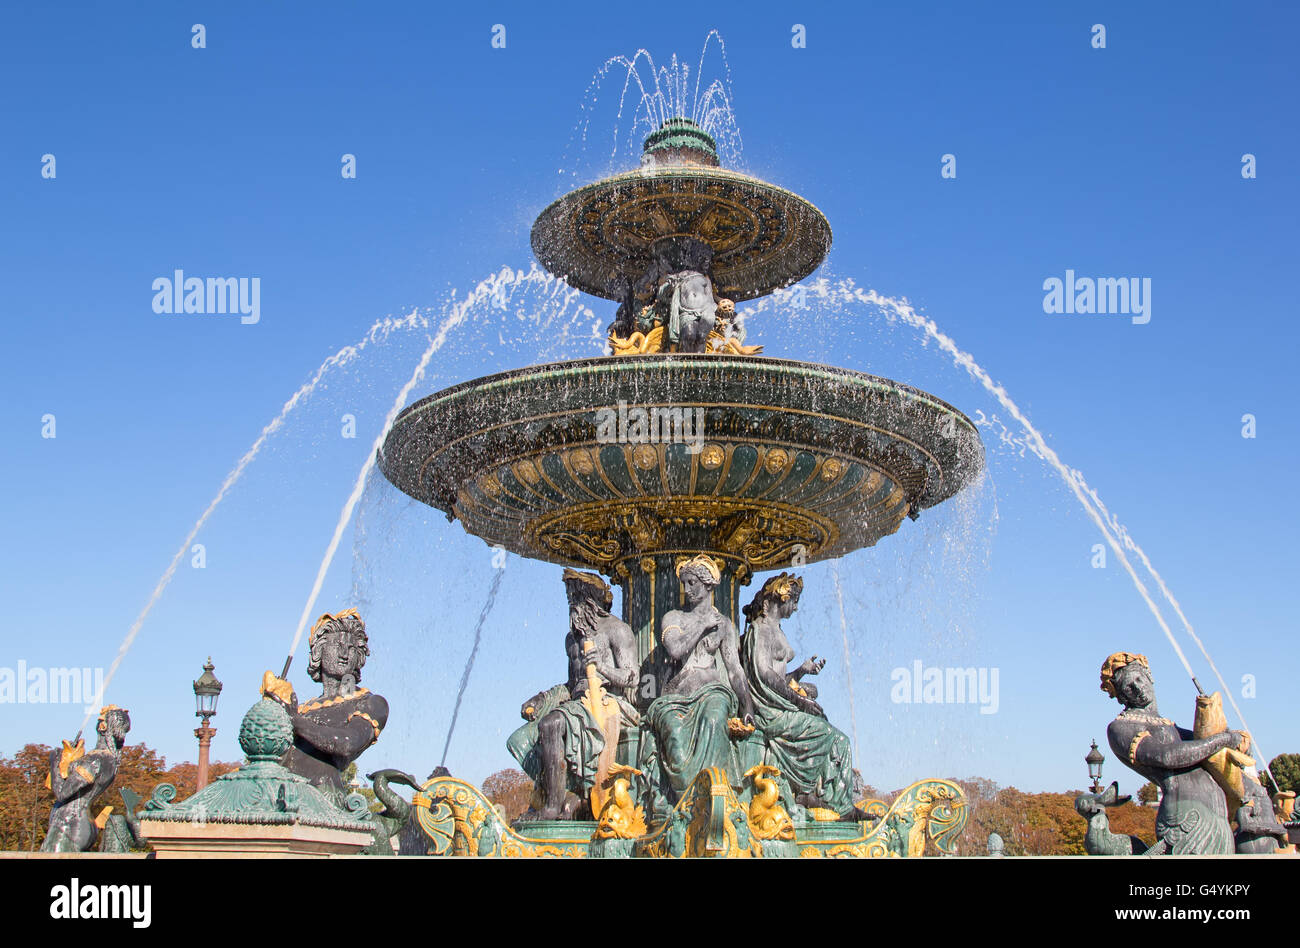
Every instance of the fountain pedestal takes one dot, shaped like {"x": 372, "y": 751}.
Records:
{"x": 260, "y": 810}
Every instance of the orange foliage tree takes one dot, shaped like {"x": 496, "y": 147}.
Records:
{"x": 1039, "y": 824}
{"x": 511, "y": 789}
{"x": 25, "y": 801}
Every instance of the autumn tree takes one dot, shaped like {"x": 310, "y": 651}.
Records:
{"x": 185, "y": 776}
{"x": 24, "y": 801}
{"x": 1148, "y": 793}
{"x": 511, "y": 789}
{"x": 1286, "y": 772}
{"x": 1038, "y": 824}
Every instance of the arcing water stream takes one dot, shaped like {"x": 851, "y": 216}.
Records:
{"x": 377, "y": 333}
{"x": 490, "y": 290}
{"x": 664, "y": 94}
{"x": 493, "y": 291}
{"x": 847, "y": 292}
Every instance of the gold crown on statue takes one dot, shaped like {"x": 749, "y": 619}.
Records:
{"x": 703, "y": 562}
{"x": 102, "y": 724}
{"x": 329, "y": 617}
{"x": 783, "y": 586}
{"x": 1110, "y": 668}
{"x": 605, "y": 594}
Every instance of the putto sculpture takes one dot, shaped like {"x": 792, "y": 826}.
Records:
{"x": 79, "y": 778}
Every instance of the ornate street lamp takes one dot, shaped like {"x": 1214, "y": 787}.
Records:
{"x": 1095, "y": 759}
{"x": 206, "y": 691}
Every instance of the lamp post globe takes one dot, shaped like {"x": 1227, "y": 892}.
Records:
{"x": 207, "y": 689}
{"x": 1095, "y": 759}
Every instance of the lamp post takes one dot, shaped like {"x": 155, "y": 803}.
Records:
{"x": 206, "y": 691}
{"x": 1095, "y": 759}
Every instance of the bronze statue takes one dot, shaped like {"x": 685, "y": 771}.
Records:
{"x": 570, "y": 743}
{"x": 1193, "y": 815}
{"x": 694, "y": 720}
{"x": 1099, "y": 840}
{"x": 78, "y": 779}
{"x": 333, "y": 729}
{"x": 1258, "y": 828}
{"x": 672, "y": 307}
{"x": 815, "y": 758}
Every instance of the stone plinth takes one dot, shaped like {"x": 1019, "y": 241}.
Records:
{"x": 242, "y": 841}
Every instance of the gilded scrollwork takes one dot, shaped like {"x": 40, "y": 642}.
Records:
{"x": 931, "y": 809}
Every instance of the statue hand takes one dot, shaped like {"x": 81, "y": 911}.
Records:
{"x": 278, "y": 689}
{"x": 528, "y": 710}
{"x": 812, "y": 707}
{"x": 813, "y": 666}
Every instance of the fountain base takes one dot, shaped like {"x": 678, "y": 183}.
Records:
{"x": 712, "y": 819}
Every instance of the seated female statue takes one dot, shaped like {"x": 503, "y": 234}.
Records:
{"x": 815, "y": 758}
{"x": 690, "y": 721}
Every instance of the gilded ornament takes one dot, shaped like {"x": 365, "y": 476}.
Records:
{"x": 645, "y": 457}
{"x": 581, "y": 460}
{"x": 711, "y": 457}
{"x": 526, "y": 471}
{"x": 776, "y": 460}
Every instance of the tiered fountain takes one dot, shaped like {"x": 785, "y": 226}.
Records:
{"x": 683, "y": 443}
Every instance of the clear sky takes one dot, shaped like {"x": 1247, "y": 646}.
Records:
{"x": 225, "y": 161}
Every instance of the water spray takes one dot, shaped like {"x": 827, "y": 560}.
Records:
{"x": 377, "y": 333}
{"x": 473, "y": 655}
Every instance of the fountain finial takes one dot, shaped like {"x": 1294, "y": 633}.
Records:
{"x": 679, "y": 141}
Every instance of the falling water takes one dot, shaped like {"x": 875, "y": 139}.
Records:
{"x": 848, "y": 668}
{"x": 845, "y": 291}
{"x": 377, "y": 333}
{"x": 661, "y": 93}
{"x": 469, "y": 664}
{"x": 493, "y": 289}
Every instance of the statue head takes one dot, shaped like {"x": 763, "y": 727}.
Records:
{"x": 590, "y": 599}
{"x": 1126, "y": 677}
{"x": 780, "y": 593}
{"x": 698, "y": 577}
{"x": 339, "y": 647}
{"x": 112, "y": 726}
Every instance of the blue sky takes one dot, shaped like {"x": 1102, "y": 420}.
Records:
{"x": 225, "y": 161}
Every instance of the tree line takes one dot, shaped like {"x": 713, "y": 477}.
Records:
{"x": 1030, "y": 824}
{"x": 25, "y": 799}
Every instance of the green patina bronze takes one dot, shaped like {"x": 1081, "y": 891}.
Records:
{"x": 679, "y": 469}
{"x": 680, "y": 138}
{"x": 262, "y": 791}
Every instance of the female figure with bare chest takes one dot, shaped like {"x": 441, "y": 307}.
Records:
{"x": 691, "y": 722}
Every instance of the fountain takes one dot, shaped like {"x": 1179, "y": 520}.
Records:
{"x": 683, "y": 460}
